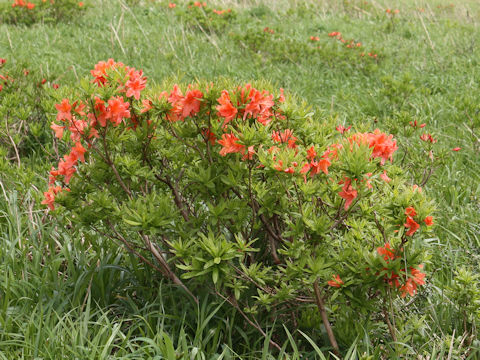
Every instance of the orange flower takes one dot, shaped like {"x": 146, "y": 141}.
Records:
{"x": 429, "y": 220}
{"x": 428, "y": 137}
{"x": 342, "y": 129}
{"x": 135, "y": 84}
{"x": 230, "y": 145}
{"x": 456, "y": 149}
{"x": 191, "y": 103}
{"x": 386, "y": 252}
{"x": 118, "y": 110}
{"x": 64, "y": 110}
{"x": 336, "y": 282}
{"x": 410, "y": 211}
{"x": 226, "y": 109}
{"x": 311, "y": 153}
{"x": 57, "y": 129}
{"x": 285, "y": 137}
{"x": 411, "y": 225}
{"x": 147, "y": 106}
{"x": 335, "y": 34}
{"x": 249, "y": 153}
{"x": 172, "y": 5}
{"x": 348, "y": 193}
{"x": 78, "y": 152}
{"x": 385, "y": 177}
{"x": 410, "y": 286}
{"x": 383, "y": 145}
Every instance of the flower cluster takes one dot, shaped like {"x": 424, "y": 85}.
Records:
{"x": 411, "y": 224}
{"x": 22, "y": 3}
{"x": 348, "y": 43}
{"x": 84, "y": 125}
{"x": 406, "y": 283}
{"x": 351, "y": 44}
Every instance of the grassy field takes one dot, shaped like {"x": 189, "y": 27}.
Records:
{"x": 66, "y": 296}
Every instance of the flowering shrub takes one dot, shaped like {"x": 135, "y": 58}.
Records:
{"x": 243, "y": 190}
{"x": 23, "y": 12}
{"x": 23, "y": 123}
{"x": 271, "y": 46}
{"x": 198, "y": 15}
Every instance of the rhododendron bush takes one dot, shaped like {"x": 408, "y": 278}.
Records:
{"x": 28, "y": 12}
{"x": 243, "y": 190}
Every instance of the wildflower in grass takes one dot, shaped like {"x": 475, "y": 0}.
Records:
{"x": 172, "y": 5}
{"x": 268, "y": 30}
{"x": 314, "y": 38}
{"x": 221, "y": 12}
{"x": 55, "y": 86}
{"x": 348, "y": 193}
{"x": 415, "y": 124}
{"x": 336, "y": 281}
{"x": 428, "y": 138}
{"x": 456, "y": 149}
{"x": 2, "y": 61}
{"x": 335, "y": 34}
{"x": 230, "y": 145}
{"x": 80, "y": 4}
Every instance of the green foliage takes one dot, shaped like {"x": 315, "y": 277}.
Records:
{"x": 200, "y": 16}
{"x": 24, "y": 129}
{"x": 45, "y": 11}
{"x": 427, "y": 71}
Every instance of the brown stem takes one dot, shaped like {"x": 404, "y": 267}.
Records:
{"x": 323, "y": 314}
{"x": 380, "y": 227}
{"x": 176, "y": 196}
{"x": 273, "y": 249}
{"x": 426, "y": 176}
{"x": 391, "y": 329}
{"x": 169, "y": 273}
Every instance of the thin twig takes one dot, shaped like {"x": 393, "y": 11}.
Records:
{"x": 323, "y": 314}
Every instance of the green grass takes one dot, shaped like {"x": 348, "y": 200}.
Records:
{"x": 70, "y": 295}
